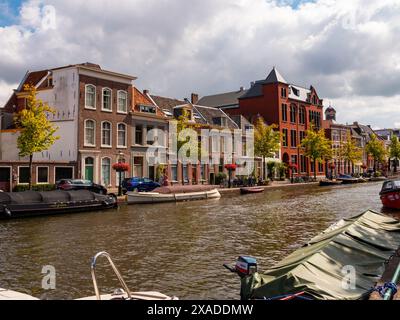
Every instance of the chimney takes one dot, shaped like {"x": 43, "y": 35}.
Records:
{"x": 241, "y": 88}
{"x": 194, "y": 98}
{"x": 145, "y": 92}
{"x": 252, "y": 84}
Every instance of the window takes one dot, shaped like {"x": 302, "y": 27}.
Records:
{"x": 293, "y": 138}
{"x": 285, "y": 137}
{"x": 63, "y": 173}
{"x": 303, "y": 164}
{"x": 302, "y": 135}
{"x": 283, "y": 93}
{"x": 293, "y": 159}
{"x": 90, "y": 96}
{"x": 106, "y": 134}
{"x": 284, "y": 112}
{"x": 121, "y": 135}
{"x": 23, "y": 175}
{"x": 42, "y": 175}
{"x": 139, "y": 135}
{"x": 302, "y": 115}
{"x": 106, "y": 100}
{"x": 320, "y": 167}
{"x": 122, "y": 102}
{"x": 293, "y": 115}
{"x": 185, "y": 173}
{"x": 105, "y": 171}
{"x": 203, "y": 172}
{"x": 150, "y": 136}
{"x": 174, "y": 172}
{"x": 147, "y": 109}
{"x": 90, "y": 133}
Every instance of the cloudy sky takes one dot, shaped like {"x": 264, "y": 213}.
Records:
{"x": 348, "y": 49}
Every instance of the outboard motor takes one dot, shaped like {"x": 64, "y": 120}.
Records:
{"x": 245, "y": 266}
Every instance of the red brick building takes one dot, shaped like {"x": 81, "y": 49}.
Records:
{"x": 293, "y": 108}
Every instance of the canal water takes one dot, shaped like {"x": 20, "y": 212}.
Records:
{"x": 177, "y": 249}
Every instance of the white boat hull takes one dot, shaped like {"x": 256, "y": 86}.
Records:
{"x": 152, "y": 197}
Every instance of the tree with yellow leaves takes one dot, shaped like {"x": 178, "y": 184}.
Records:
{"x": 37, "y": 132}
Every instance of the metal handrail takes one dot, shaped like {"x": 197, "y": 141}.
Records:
{"x": 118, "y": 274}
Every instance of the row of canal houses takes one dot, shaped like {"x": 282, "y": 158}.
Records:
{"x": 103, "y": 118}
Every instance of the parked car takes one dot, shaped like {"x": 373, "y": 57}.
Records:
{"x": 69, "y": 184}
{"x": 139, "y": 185}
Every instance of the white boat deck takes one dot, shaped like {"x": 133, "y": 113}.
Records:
{"x": 14, "y": 295}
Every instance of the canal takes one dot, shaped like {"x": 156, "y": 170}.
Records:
{"x": 177, "y": 249}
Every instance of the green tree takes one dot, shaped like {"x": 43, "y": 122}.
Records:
{"x": 376, "y": 149}
{"x": 394, "y": 151}
{"x": 182, "y": 124}
{"x": 317, "y": 147}
{"x": 266, "y": 140}
{"x": 349, "y": 151}
{"x": 37, "y": 132}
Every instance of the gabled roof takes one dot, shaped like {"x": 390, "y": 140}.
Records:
{"x": 202, "y": 114}
{"x": 274, "y": 77}
{"x": 221, "y": 100}
{"x": 141, "y": 99}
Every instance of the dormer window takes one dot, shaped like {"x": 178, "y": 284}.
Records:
{"x": 147, "y": 109}
{"x": 220, "y": 121}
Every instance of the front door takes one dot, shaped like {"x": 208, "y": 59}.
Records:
{"x": 89, "y": 163}
{"x": 5, "y": 178}
{"x": 151, "y": 172}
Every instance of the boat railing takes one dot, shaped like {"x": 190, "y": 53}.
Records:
{"x": 116, "y": 271}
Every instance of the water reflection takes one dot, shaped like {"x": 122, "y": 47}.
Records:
{"x": 177, "y": 249}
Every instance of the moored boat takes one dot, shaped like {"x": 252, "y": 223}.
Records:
{"x": 390, "y": 194}
{"x": 33, "y": 203}
{"x": 347, "y": 179}
{"x": 119, "y": 294}
{"x": 358, "y": 246}
{"x": 327, "y": 183}
{"x": 174, "y": 194}
{"x": 251, "y": 190}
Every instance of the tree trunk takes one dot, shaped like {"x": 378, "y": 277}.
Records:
{"x": 395, "y": 164}
{"x": 374, "y": 165}
{"x": 30, "y": 171}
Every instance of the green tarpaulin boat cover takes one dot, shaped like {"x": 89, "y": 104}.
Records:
{"x": 361, "y": 244}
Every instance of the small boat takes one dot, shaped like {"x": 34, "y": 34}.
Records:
{"x": 174, "y": 194}
{"x": 361, "y": 245}
{"x": 118, "y": 294}
{"x": 34, "y": 203}
{"x": 326, "y": 183}
{"x": 251, "y": 190}
{"x": 347, "y": 179}
{"x": 390, "y": 194}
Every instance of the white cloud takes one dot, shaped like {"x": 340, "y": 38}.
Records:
{"x": 349, "y": 50}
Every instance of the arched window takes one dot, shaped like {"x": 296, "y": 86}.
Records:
{"x": 90, "y": 96}
{"x": 90, "y": 133}
{"x": 106, "y": 171}
{"x": 121, "y": 138}
{"x": 107, "y": 99}
{"x": 106, "y": 134}
{"x": 122, "y": 101}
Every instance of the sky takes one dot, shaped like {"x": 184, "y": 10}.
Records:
{"x": 349, "y": 50}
